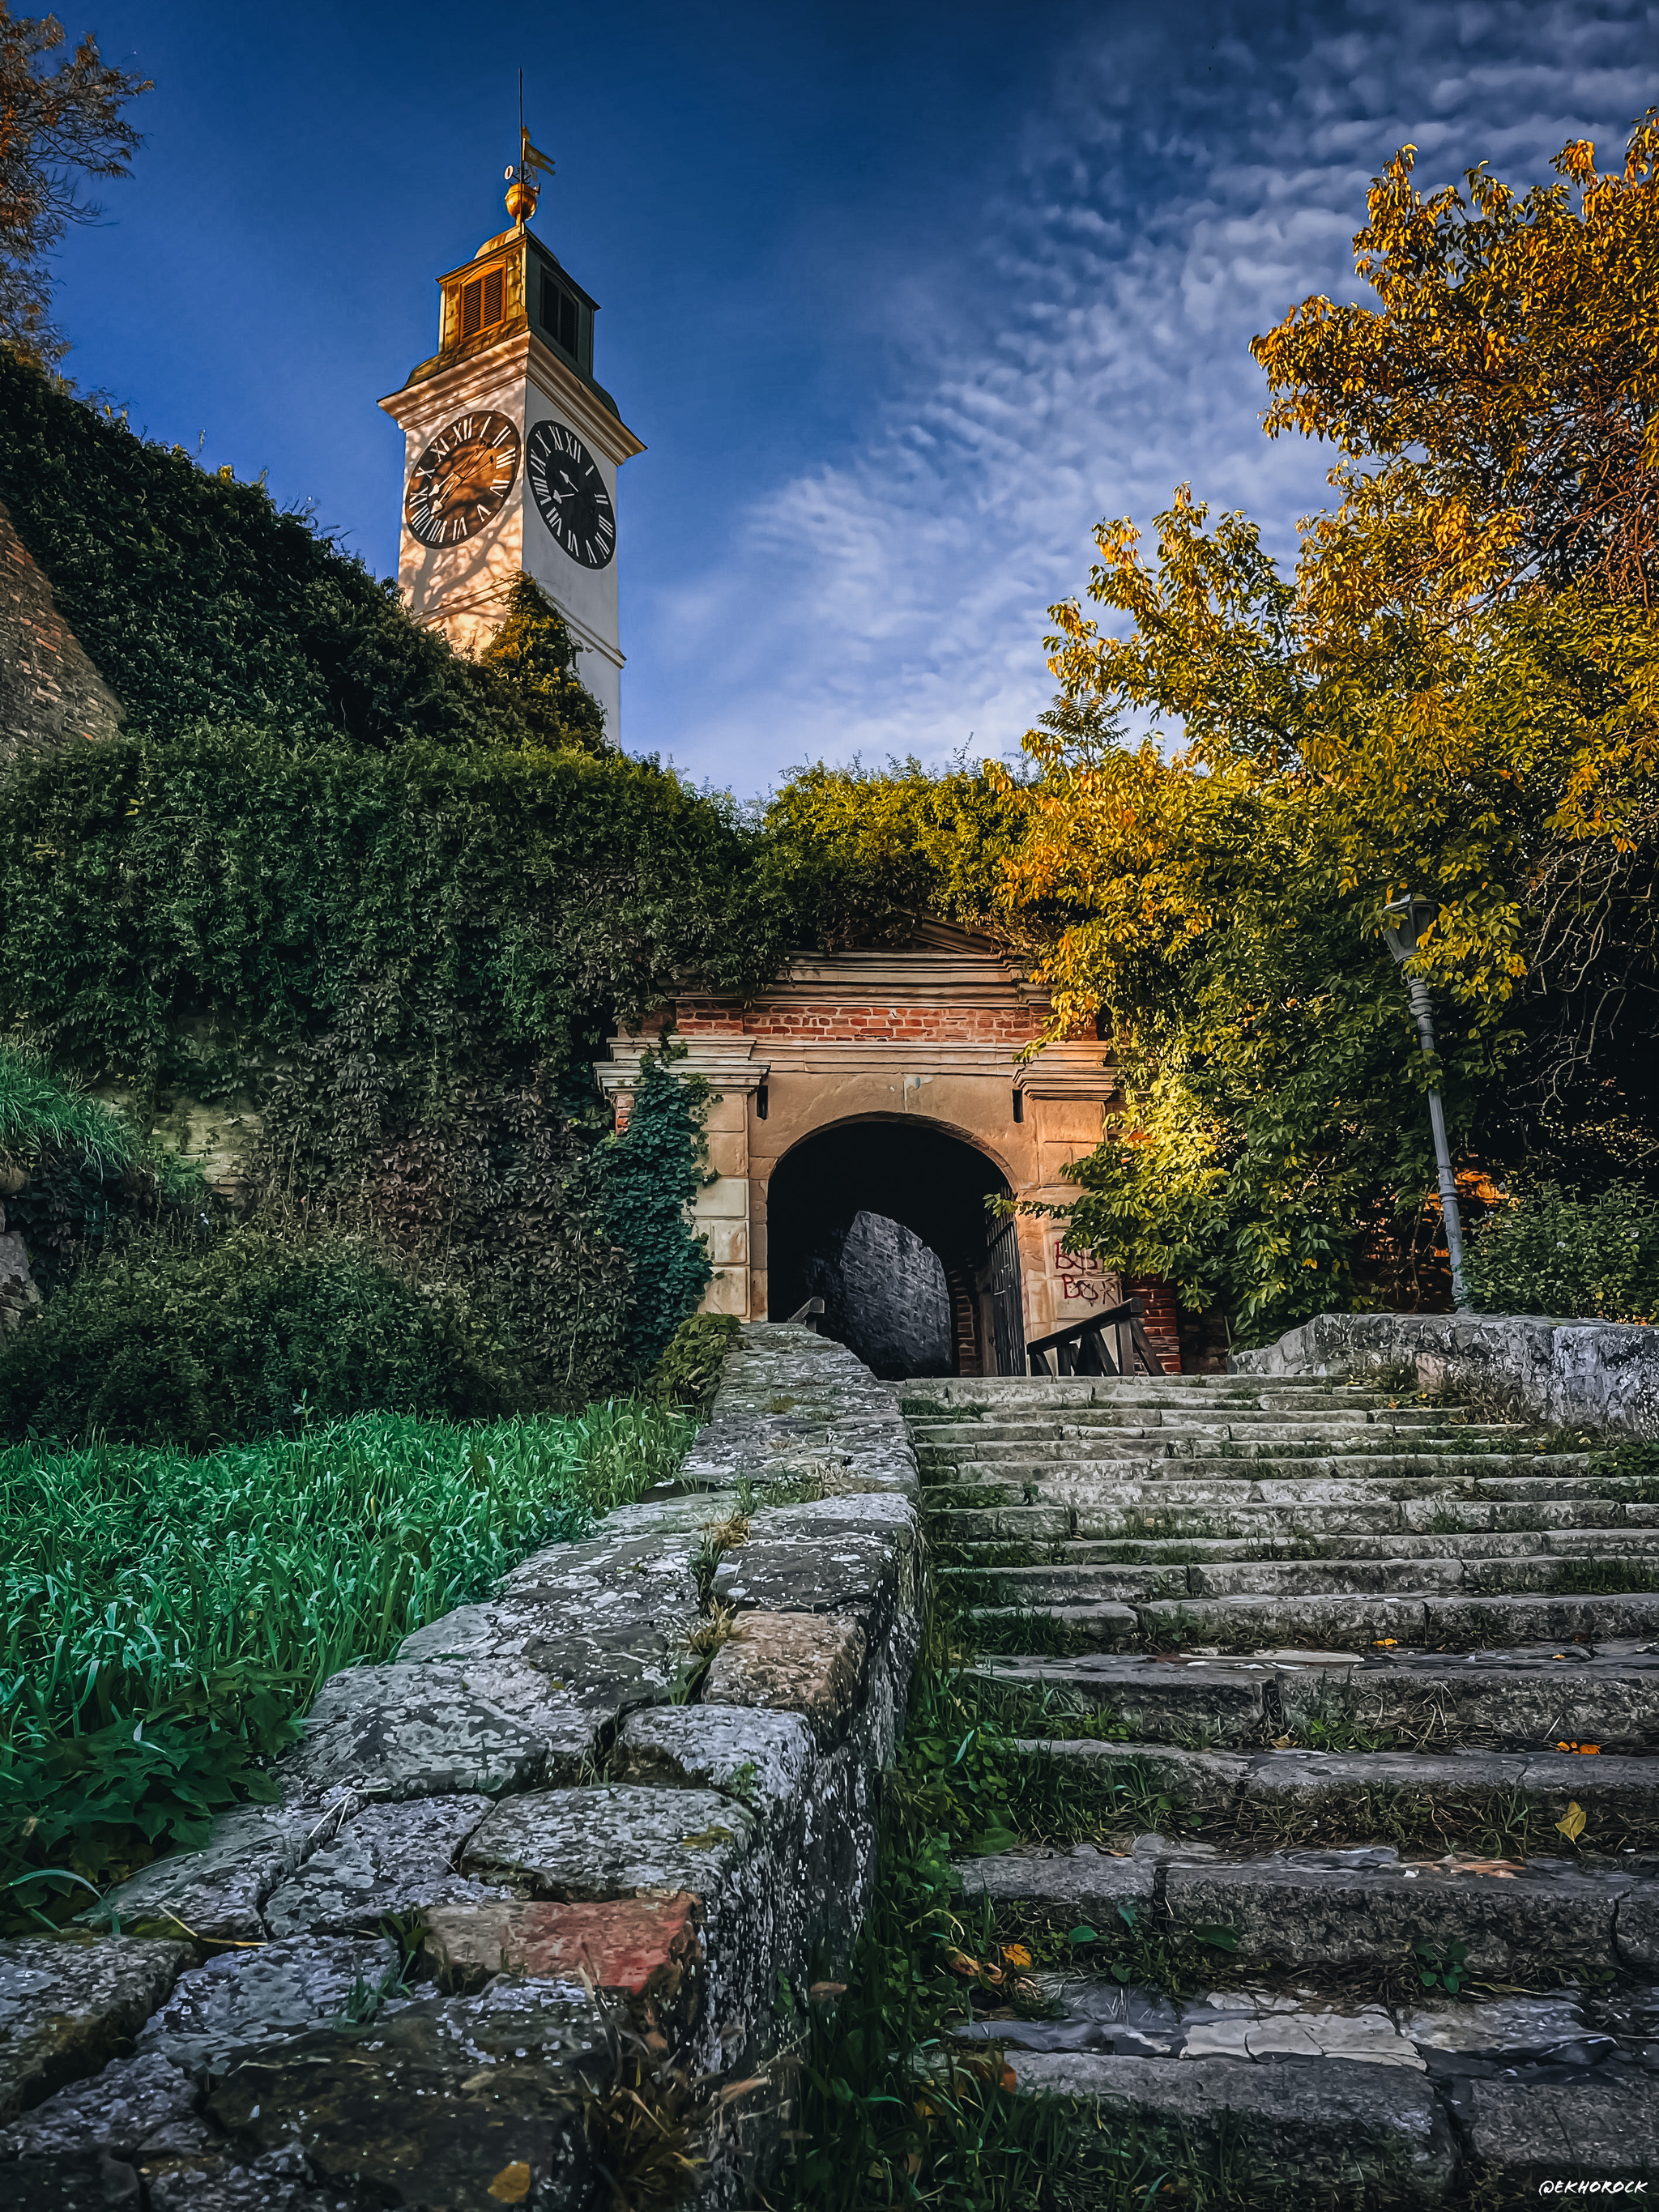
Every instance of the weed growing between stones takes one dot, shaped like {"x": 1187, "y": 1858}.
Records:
{"x": 163, "y": 1618}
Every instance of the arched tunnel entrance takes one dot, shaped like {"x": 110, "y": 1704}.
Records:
{"x": 886, "y": 1221}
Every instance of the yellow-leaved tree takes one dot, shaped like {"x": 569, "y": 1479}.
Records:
{"x": 1456, "y": 694}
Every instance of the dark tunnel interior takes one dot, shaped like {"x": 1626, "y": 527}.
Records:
{"x": 885, "y": 1222}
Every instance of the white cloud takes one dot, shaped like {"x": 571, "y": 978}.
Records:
{"x": 892, "y": 597}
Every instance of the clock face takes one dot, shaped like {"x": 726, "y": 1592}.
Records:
{"x": 462, "y": 480}
{"x": 569, "y": 491}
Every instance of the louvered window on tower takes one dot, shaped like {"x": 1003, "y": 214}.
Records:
{"x": 559, "y": 313}
{"x": 481, "y": 303}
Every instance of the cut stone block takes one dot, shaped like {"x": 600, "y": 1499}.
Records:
{"x": 390, "y": 1859}
{"x": 814, "y": 1664}
{"x": 1087, "y": 1884}
{"x": 67, "y": 2003}
{"x": 648, "y": 1949}
{"x": 1312, "y": 2128}
{"x": 246, "y": 1997}
{"x": 607, "y": 1635}
{"x": 836, "y": 1567}
{"x": 765, "y": 1760}
{"x": 216, "y": 1893}
{"x": 1206, "y": 1780}
{"x": 1602, "y": 2125}
{"x": 436, "y": 1730}
{"x": 1636, "y": 1925}
{"x": 575, "y": 1845}
{"x": 1296, "y": 1912}
{"x": 1085, "y": 1627}
{"x": 443, "y": 2104}
{"x": 1154, "y": 1700}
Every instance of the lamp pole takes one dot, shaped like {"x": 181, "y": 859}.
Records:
{"x": 1404, "y": 921}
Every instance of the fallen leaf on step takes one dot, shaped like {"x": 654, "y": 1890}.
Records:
{"x": 1589, "y": 1750}
{"x": 1575, "y": 1822}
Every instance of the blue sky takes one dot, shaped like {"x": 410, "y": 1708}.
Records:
{"x": 902, "y": 299}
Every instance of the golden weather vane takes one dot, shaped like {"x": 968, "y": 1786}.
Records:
{"x": 522, "y": 191}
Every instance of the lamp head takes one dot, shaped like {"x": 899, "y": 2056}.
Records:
{"x": 1404, "y": 921}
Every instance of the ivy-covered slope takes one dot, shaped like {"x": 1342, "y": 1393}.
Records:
{"x": 199, "y": 600}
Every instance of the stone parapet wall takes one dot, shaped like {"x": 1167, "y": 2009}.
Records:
{"x": 614, "y": 1873}
{"x": 1565, "y": 1374}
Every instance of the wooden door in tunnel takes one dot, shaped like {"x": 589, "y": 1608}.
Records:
{"x": 864, "y": 1195}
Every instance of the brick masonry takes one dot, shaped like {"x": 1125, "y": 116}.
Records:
{"x": 50, "y": 692}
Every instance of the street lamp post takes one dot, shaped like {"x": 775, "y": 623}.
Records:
{"x": 1404, "y": 921}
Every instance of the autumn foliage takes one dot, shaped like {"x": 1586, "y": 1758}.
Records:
{"x": 1456, "y": 692}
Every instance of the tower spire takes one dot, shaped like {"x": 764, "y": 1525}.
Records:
{"x": 522, "y": 193}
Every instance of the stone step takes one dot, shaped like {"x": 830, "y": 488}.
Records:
{"x": 1429, "y": 1454}
{"x": 1150, "y": 1522}
{"x": 1531, "y": 1700}
{"x": 1329, "y": 2131}
{"x": 1175, "y": 1483}
{"x": 1066, "y": 1581}
{"x": 1539, "y": 1921}
{"x": 1312, "y": 1421}
{"x": 974, "y": 1539}
{"x": 1321, "y": 1623}
{"x": 1360, "y": 1471}
{"x": 1619, "y": 1794}
{"x": 1462, "y": 1623}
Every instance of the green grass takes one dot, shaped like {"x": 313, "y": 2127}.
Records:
{"x": 36, "y": 1109}
{"x": 164, "y": 1617}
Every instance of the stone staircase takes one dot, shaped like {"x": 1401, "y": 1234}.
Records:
{"x": 1336, "y": 1715}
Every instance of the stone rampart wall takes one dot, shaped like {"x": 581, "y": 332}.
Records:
{"x": 612, "y": 1873}
{"x": 1567, "y": 1374}
{"x": 50, "y": 692}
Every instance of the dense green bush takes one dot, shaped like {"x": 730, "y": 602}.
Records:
{"x": 1554, "y": 1252}
{"x": 209, "y": 1341}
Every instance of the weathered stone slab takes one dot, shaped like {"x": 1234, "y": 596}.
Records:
{"x": 1310, "y": 2129}
{"x": 464, "y": 2103}
{"x": 1210, "y": 1780}
{"x": 573, "y": 1845}
{"x": 439, "y": 1729}
{"x": 838, "y": 1570}
{"x": 814, "y": 1664}
{"x": 246, "y": 1997}
{"x": 1599, "y": 2126}
{"x": 646, "y": 1950}
{"x": 1532, "y": 1620}
{"x": 600, "y": 1652}
{"x": 1567, "y": 1374}
{"x": 1636, "y": 1925}
{"x": 1514, "y": 1706}
{"x": 67, "y": 2003}
{"x": 1288, "y": 1778}
{"x": 766, "y": 1760}
{"x": 1294, "y": 1911}
{"x": 218, "y": 1892}
{"x": 1088, "y": 1884}
{"x": 1154, "y": 1700}
{"x": 391, "y": 1858}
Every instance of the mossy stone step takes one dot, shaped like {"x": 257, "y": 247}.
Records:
{"x": 1620, "y": 1795}
{"x": 1527, "y": 1701}
{"x": 1536, "y": 1921}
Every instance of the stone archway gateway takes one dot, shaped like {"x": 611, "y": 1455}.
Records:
{"x": 873, "y": 1067}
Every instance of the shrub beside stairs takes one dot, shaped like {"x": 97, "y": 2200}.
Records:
{"x": 1355, "y": 1698}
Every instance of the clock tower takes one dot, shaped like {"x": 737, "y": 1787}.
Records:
{"x": 511, "y": 453}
